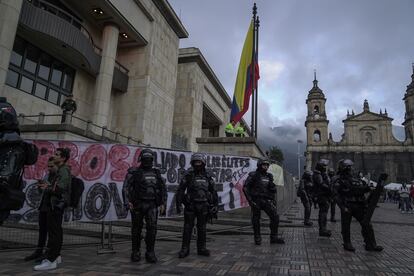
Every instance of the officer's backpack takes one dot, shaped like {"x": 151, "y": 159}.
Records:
{"x": 76, "y": 190}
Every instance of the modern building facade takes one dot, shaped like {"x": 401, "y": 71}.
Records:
{"x": 367, "y": 139}
{"x": 120, "y": 59}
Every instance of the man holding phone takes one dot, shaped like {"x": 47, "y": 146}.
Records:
{"x": 42, "y": 185}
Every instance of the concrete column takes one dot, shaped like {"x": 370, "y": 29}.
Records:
{"x": 103, "y": 86}
{"x": 9, "y": 18}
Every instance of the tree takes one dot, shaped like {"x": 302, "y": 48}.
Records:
{"x": 275, "y": 153}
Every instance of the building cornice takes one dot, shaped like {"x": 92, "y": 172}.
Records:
{"x": 192, "y": 54}
{"x": 171, "y": 17}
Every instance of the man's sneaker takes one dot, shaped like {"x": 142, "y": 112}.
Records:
{"x": 203, "y": 252}
{"x": 38, "y": 253}
{"x": 46, "y": 265}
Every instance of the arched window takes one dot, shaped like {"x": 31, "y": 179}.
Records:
{"x": 368, "y": 138}
{"x": 317, "y": 136}
{"x": 316, "y": 110}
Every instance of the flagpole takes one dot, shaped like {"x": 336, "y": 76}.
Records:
{"x": 253, "y": 126}
{"x": 257, "y": 87}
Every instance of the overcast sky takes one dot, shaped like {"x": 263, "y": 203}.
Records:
{"x": 360, "y": 49}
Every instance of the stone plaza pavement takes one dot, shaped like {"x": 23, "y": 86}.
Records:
{"x": 304, "y": 253}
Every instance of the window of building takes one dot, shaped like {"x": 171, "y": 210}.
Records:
{"x": 38, "y": 73}
{"x": 317, "y": 136}
{"x": 316, "y": 110}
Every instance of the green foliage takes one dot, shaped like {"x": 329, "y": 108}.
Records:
{"x": 275, "y": 153}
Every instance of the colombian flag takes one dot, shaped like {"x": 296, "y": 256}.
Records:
{"x": 244, "y": 82}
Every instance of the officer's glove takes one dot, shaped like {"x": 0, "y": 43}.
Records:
{"x": 162, "y": 210}
{"x": 383, "y": 177}
{"x": 179, "y": 210}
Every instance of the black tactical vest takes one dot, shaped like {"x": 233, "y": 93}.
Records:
{"x": 147, "y": 186}
{"x": 198, "y": 189}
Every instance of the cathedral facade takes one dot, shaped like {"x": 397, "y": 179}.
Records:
{"x": 367, "y": 139}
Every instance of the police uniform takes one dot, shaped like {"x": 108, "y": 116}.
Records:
{"x": 146, "y": 192}
{"x": 349, "y": 192}
{"x": 198, "y": 194}
{"x": 321, "y": 182}
{"x": 261, "y": 193}
{"x": 14, "y": 155}
{"x": 305, "y": 190}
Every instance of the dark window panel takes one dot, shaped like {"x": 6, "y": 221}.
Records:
{"x": 40, "y": 91}
{"x": 68, "y": 80}
{"x": 57, "y": 74}
{"x": 53, "y": 96}
{"x": 26, "y": 85}
{"x": 12, "y": 78}
{"x": 44, "y": 67}
{"x": 18, "y": 51}
{"x": 32, "y": 58}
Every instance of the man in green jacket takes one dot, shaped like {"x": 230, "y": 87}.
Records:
{"x": 239, "y": 131}
{"x": 59, "y": 194}
{"x": 229, "y": 130}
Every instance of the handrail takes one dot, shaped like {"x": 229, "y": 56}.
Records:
{"x": 89, "y": 123}
{"x": 53, "y": 9}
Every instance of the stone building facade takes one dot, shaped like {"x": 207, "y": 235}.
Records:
{"x": 120, "y": 59}
{"x": 367, "y": 139}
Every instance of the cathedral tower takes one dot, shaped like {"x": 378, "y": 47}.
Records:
{"x": 409, "y": 111}
{"x": 316, "y": 121}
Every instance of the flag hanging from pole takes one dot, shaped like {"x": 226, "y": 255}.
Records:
{"x": 244, "y": 82}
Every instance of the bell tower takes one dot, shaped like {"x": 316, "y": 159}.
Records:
{"x": 316, "y": 121}
{"x": 409, "y": 110}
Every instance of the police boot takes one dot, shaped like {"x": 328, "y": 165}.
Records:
{"x": 38, "y": 253}
{"x": 348, "y": 247}
{"x": 373, "y": 247}
{"x": 135, "y": 256}
{"x": 324, "y": 233}
{"x": 203, "y": 252}
{"x": 184, "y": 252}
{"x": 275, "y": 239}
{"x": 308, "y": 223}
{"x": 150, "y": 257}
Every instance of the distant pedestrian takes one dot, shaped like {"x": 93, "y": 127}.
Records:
{"x": 405, "y": 199}
{"x": 68, "y": 108}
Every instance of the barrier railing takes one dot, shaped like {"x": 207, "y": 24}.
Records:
{"x": 87, "y": 127}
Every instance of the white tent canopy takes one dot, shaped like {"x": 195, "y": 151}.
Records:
{"x": 393, "y": 186}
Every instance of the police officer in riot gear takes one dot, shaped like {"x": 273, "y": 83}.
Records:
{"x": 146, "y": 192}
{"x": 331, "y": 174}
{"x": 322, "y": 188}
{"x": 68, "y": 107}
{"x": 14, "y": 155}
{"x": 349, "y": 192}
{"x": 261, "y": 193}
{"x": 198, "y": 194}
{"x": 305, "y": 193}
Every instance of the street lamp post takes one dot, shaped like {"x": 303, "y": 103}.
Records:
{"x": 299, "y": 142}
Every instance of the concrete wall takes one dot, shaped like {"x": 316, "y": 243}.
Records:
{"x": 242, "y": 146}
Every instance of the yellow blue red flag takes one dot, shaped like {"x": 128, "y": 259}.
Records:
{"x": 244, "y": 82}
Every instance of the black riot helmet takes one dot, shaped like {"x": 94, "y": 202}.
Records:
{"x": 146, "y": 158}
{"x": 322, "y": 165}
{"x": 262, "y": 162}
{"x": 198, "y": 157}
{"x": 8, "y": 117}
{"x": 345, "y": 167}
{"x": 307, "y": 175}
